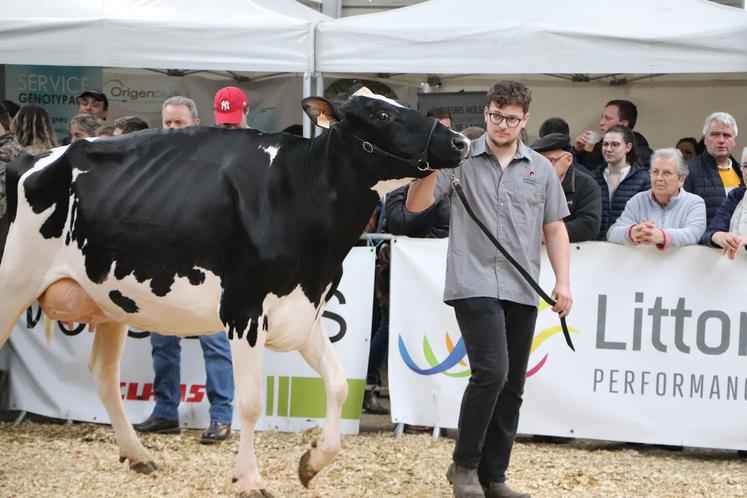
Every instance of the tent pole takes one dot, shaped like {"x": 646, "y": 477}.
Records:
{"x": 306, "y": 93}
{"x": 319, "y": 87}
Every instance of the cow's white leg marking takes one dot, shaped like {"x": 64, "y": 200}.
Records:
{"x": 320, "y": 356}
{"x": 247, "y": 374}
{"x": 17, "y": 291}
{"x": 108, "y": 345}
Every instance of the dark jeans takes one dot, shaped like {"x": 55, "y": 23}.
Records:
{"x": 498, "y": 337}
{"x": 378, "y": 350}
{"x": 216, "y": 351}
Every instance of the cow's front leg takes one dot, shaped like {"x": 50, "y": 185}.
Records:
{"x": 108, "y": 345}
{"x": 320, "y": 355}
{"x": 247, "y": 375}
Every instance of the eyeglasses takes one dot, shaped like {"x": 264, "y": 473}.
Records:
{"x": 613, "y": 145}
{"x": 666, "y": 174}
{"x": 553, "y": 160}
{"x": 511, "y": 121}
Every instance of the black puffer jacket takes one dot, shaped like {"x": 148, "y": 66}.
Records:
{"x": 584, "y": 201}
{"x": 431, "y": 223}
{"x": 637, "y": 180}
{"x": 705, "y": 181}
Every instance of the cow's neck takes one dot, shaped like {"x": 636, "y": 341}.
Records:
{"x": 349, "y": 176}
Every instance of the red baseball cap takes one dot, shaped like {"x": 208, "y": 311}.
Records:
{"x": 230, "y": 105}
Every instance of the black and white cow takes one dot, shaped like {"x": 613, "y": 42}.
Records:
{"x": 204, "y": 229}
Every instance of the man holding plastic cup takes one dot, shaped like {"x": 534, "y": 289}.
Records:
{"x": 587, "y": 147}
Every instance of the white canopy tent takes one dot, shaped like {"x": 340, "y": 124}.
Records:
{"x": 237, "y": 35}
{"x": 538, "y": 36}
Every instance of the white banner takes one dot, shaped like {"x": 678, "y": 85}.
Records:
{"x": 54, "y": 380}
{"x": 660, "y": 337}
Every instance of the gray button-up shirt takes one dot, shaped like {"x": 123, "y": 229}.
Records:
{"x": 514, "y": 203}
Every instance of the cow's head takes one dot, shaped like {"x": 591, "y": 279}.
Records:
{"x": 407, "y": 143}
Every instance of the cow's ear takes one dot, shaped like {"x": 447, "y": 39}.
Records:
{"x": 320, "y": 111}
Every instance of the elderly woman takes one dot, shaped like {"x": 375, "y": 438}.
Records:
{"x": 83, "y": 126}
{"x": 728, "y": 229}
{"x": 664, "y": 215}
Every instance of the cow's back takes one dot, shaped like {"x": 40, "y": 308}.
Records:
{"x": 160, "y": 203}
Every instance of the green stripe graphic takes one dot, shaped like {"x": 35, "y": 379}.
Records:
{"x": 270, "y": 390}
{"x": 283, "y": 396}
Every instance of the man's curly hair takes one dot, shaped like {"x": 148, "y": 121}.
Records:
{"x": 507, "y": 92}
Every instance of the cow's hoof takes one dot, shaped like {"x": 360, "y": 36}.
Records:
{"x": 305, "y": 472}
{"x": 256, "y": 493}
{"x": 144, "y": 467}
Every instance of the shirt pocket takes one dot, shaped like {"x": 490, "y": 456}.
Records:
{"x": 527, "y": 196}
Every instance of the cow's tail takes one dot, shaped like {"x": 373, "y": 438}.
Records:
{"x": 11, "y": 176}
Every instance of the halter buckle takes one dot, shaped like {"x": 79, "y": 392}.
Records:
{"x": 424, "y": 165}
{"x": 368, "y": 147}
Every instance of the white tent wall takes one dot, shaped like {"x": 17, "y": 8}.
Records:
{"x": 667, "y": 110}
{"x": 274, "y": 103}
{"x": 669, "y": 107}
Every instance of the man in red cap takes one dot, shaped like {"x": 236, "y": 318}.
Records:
{"x": 231, "y": 108}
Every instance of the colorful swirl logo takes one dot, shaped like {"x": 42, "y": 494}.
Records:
{"x": 457, "y": 354}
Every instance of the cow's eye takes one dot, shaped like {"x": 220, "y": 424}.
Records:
{"x": 382, "y": 115}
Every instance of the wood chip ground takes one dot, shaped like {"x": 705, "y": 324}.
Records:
{"x": 80, "y": 460}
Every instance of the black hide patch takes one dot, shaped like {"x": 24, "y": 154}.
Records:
{"x": 124, "y": 302}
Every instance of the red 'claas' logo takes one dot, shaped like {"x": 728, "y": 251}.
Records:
{"x": 134, "y": 391}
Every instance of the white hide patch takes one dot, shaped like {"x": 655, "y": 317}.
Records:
{"x": 383, "y": 187}
{"x": 271, "y": 150}
{"x": 77, "y": 172}
{"x": 365, "y": 92}
{"x": 186, "y": 310}
{"x": 290, "y": 319}
{"x": 45, "y": 161}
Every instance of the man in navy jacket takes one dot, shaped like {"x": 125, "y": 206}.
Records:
{"x": 715, "y": 172}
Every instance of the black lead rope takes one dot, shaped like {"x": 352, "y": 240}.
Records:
{"x": 457, "y": 186}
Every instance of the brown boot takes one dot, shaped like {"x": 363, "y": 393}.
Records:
{"x": 500, "y": 490}
{"x": 371, "y": 403}
{"x": 465, "y": 482}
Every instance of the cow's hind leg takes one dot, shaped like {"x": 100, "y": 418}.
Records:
{"x": 17, "y": 292}
{"x": 108, "y": 345}
{"x": 320, "y": 355}
{"x": 247, "y": 375}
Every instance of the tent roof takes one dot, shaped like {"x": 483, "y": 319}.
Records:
{"x": 538, "y": 36}
{"x": 238, "y": 35}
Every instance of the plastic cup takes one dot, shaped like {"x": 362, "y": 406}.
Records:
{"x": 594, "y": 137}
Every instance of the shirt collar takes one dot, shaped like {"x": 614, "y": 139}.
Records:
{"x": 480, "y": 147}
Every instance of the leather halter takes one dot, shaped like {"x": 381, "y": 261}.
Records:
{"x": 419, "y": 161}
